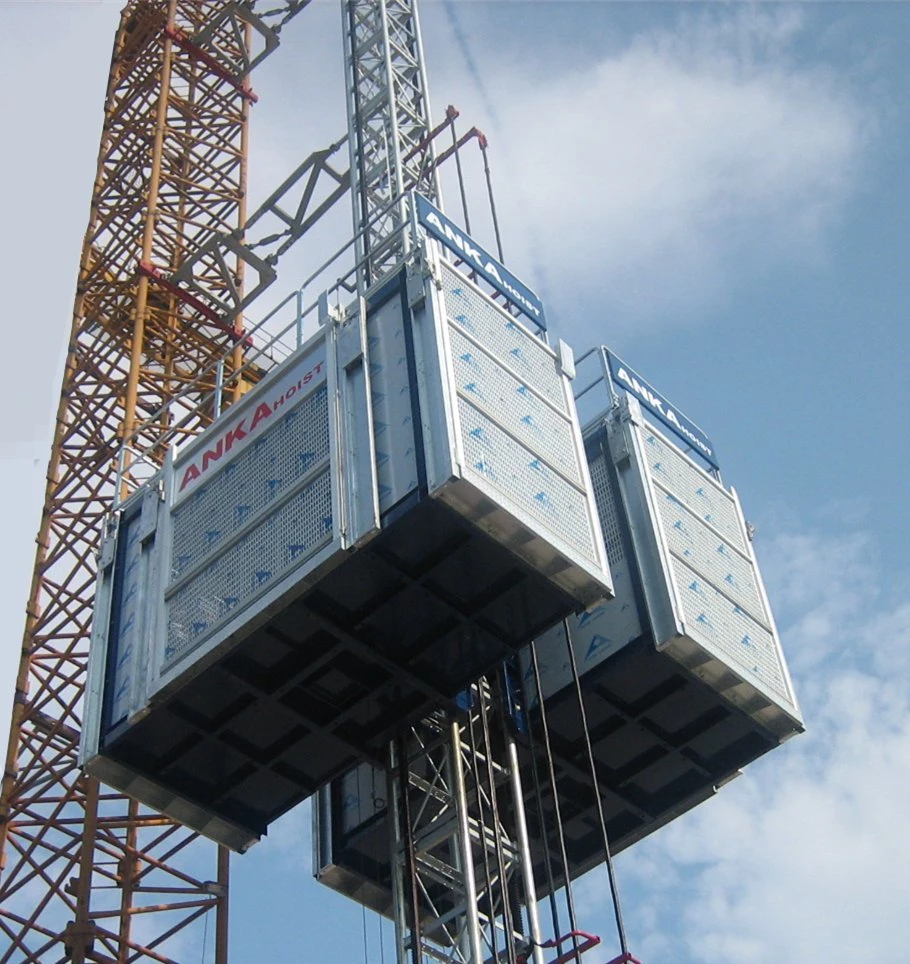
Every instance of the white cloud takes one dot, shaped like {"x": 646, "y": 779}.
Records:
{"x": 801, "y": 859}
{"x": 819, "y": 582}
{"x": 660, "y": 174}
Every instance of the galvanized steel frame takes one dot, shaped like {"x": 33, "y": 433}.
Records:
{"x": 389, "y": 130}
{"x": 460, "y": 824}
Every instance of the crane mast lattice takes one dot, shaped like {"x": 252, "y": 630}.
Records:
{"x": 389, "y": 131}
{"x": 82, "y": 863}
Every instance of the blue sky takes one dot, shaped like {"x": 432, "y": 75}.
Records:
{"x": 718, "y": 192}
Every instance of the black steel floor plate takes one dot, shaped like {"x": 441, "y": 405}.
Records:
{"x": 396, "y": 630}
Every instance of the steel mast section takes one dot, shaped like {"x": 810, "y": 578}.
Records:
{"x": 389, "y": 130}
{"x": 462, "y": 873}
{"x": 462, "y": 879}
{"x": 80, "y": 863}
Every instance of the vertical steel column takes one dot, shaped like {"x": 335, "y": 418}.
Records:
{"x": 524, "y": 849}
{"x": 471, "y": 927}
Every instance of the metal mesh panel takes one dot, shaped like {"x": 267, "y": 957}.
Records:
{"x": 514, "y": 405}
{"x": 251, "y": 482}
{"x": 728, "y": 630}
{"x": 670, "y": 470}
{"x": 503, "y": 337}
{"x": 714, "y": 559}
{"x": 496, "y": 461}
{"x": 605, "y": 498}
{"x": 283, "y": 539}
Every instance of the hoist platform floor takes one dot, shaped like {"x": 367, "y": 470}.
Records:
{"x": 328, "y": 677}
{"x": 662, "y": 740}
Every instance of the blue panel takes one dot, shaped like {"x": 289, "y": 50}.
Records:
{"x": 124, "y": 630}
{"x": 477, "y": 259}
{"x": 628, "y": 379}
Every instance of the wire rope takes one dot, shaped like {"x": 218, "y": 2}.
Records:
{"x": 589, "y": 749}
{"x": 458, "y": 168}
{"x": 489, "y": 179}
{"x": 205, "y": 936}
{"x": 548, "y": 752}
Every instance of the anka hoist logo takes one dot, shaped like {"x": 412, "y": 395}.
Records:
{"x": 687, "y": 430}
{"x": 237, "y": 433}
{"x": 477, "y": 259}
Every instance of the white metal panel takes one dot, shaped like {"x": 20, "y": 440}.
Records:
{"x": 250, "y": 419}
{"x": 604, "y": 630}
{"x": 516, "y": 421}
{"x": 710, "y": 581}
{"x": 261, "y": 509}
{"x": 503, "y": 337}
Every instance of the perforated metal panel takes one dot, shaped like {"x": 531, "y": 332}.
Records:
{"x": 711, "y": 568}
{"x": 677, "y": 476}
{"x": 518, "y": 406}
{"x": 605, "y": 497}
{"x": 510, "y": 471}
{"x": 248, "y": 566}
{"x": 242, "y": 528}
{"x": 713, "y": 620}
{"x": 253, "y": 482}
{"x": 516, "y": 419}
{"x": 502, "y": 337}
{"x": 705, "y": 551}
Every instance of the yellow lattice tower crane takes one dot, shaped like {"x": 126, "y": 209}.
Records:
{"x": 80, "y": 864}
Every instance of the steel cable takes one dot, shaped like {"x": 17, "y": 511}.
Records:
{"x": 486, "y": 171}
{"x": 458, "y": 168}
{"x": 611, "y": 873}
{"x": 548, "y": 752}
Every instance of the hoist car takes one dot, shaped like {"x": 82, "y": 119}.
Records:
{"x": 682, "y": 674}
{"x": 396, "y": 508}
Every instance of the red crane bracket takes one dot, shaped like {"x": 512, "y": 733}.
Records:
{"x": 194, "y": 50}
{"x": 162, "y": 279}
